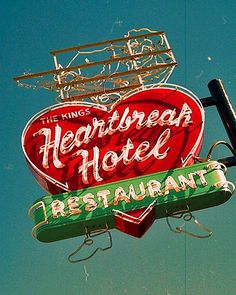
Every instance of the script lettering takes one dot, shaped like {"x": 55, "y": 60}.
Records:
{"x": 62, "y": 148}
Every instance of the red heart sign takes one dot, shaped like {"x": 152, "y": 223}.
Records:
{"x": 76, "y": 145}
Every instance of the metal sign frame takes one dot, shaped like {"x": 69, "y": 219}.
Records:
{"x": 115, "y": 67}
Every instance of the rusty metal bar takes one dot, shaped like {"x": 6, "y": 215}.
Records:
{"x": 106, "y": 61}
{"x": 114, "y": 75}
{"x": 53, "y": 52}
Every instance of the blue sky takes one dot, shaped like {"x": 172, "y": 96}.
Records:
{"x": 202, "y": 35}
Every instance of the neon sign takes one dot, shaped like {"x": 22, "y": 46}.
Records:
{"x": 197, "y": 186}
{"x": 118, "y": 151}
{"x": 76, "y": 145}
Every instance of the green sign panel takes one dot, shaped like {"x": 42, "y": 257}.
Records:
{"x": 79, "y": 212}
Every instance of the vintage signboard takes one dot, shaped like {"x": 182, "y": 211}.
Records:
{"x": 71, "y": 214}
{"x": 71, "y": 146}
{"x": 119, "y": 150}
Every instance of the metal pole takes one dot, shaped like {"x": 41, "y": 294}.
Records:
{"x": 224, "y": 108}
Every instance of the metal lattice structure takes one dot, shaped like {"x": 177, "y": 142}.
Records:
{"x": 103, "y": 72}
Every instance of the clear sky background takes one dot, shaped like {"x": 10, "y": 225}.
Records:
{"x": 202, "y": 35}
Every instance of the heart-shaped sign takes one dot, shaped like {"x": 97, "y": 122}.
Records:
{"x": 73, "y": 145}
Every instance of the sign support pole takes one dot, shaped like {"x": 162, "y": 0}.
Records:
{"x": 225, "y": 109}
